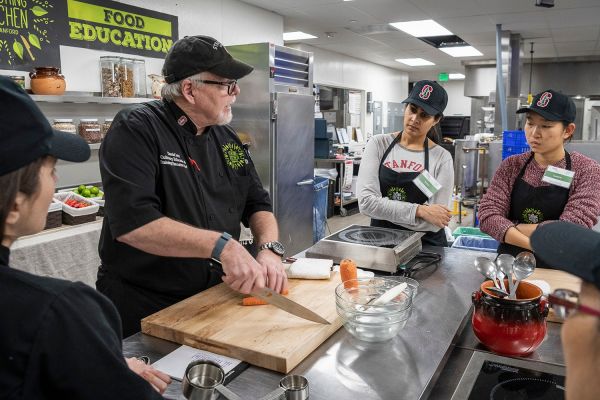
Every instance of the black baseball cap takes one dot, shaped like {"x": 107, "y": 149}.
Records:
{"x": 569, "y": 247}
{"x": 430, "y": 96}
{"x": 26, "y": 135}
{"x": 552, "y": 105}
{"x": 194, "y": 54}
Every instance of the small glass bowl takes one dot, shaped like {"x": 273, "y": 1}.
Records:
{"x": 367, "y": 322}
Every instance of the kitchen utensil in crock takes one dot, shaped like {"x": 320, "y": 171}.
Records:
{"x": 487, "y": 268}
{"x": 505, "y": 263}
{"x": 523, "y": 267}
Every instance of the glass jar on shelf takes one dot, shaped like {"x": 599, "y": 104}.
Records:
{"x": 89, "y": 129}
{"x": 139, "y": 73}
{"x": 104, "y": 127}
{"x": 109, "y": 78}
{"x": 65, "y": 125}
{"x": 126, "y": 77}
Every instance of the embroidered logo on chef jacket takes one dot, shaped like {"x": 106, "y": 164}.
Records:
{"x": 182, "y": 120}
{"x": 532, "y": 216}
{"x": 544, "y": 99}
{"x": 396, "y": 193}
{"x": 173, "y": 159}
{"x": 234, "y": 155}
{"x": 426, "y": 92}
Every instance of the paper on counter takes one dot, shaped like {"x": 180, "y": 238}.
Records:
{"x": 310, "y": 268}
{"x": 360, "y": 273}
{"x": 175, "y": 363}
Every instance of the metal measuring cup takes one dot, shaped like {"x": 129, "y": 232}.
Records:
{"x": 291, "y": 387}
{"x": 203, "y": 380}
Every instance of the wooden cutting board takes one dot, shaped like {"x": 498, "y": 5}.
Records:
{"x": 265, "y": 336}
{"x": 557, "y": 280}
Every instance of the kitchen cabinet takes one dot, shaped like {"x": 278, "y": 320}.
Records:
{"x": 75, "y": 106}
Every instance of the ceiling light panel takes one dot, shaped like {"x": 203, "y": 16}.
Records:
{"x": 414, "y": 62}
{"x": 424, "y": 28}
{"x": 456, "y": 76}
{"x": 461, "y": 51}
{"x": 297, "y": 36}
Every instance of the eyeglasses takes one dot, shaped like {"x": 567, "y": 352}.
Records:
{"x": 565, "y": 303}
{"x": 230, "y": 84}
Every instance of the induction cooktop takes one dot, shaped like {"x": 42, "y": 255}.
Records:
{"x": 371, "y": 247}
{"x": 492, "y": 377}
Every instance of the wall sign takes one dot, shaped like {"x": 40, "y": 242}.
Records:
{"x": 31, "y": 31}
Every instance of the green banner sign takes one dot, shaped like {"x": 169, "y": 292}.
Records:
{"x": 108, "y": 25}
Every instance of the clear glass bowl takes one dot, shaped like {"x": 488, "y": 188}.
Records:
{"x": 372, "y": 323}
{"x": 413, "y": 283}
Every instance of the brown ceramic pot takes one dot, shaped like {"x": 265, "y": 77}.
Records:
{"x": 47, "y": 80}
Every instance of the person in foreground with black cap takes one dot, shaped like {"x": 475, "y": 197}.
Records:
{"x": 545, "y": 184}
{"x": 59, "y": 339}
{"x": 576, "y": 250}
{"x": 405, "y": 180}
{"x": 177, "y": 183}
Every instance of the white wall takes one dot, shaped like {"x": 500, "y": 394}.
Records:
{"x": 229, "y": 21}
{"x": 458, "y": 103}
{"x": 335, "y": 69}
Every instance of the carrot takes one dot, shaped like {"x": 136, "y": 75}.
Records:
{"x": 255, "y": 301}
{"x": 348, "y": 272}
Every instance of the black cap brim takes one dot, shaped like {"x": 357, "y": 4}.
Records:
{"x": 428, "y": 109}
{"x": 569, "y": 247}
{"x": 68, "y": 147}
{"x": 232, "y": 69}
{"x": 547, "y": 115}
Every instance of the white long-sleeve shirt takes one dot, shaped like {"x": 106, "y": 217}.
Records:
{"x": 400, "y": 159}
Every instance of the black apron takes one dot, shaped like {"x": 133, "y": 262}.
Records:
{"x": 532, "y": 205}
{"x": 399, "y": 186}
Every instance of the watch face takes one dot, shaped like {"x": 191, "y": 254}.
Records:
{"x": 278, "y": 248}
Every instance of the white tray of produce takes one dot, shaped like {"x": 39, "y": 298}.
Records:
{"x": 55, "y": 205}
{"x": 76, "y": 191}
{"x": 91, "y": 208}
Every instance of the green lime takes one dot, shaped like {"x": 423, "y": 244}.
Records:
{"x": 94, "y": 190}
{"x": 81, "y": 188}
{"x": 86, "y": 193}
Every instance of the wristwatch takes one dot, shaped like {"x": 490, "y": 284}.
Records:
{"x": 216, "y": 253}
{"x": 275, "y": 247}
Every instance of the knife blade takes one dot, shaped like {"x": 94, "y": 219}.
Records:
{"x": 279, "y": 301}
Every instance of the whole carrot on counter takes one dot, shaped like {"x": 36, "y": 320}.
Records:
{"x": 348, "y": 273}
{"x": 255, "y": 301}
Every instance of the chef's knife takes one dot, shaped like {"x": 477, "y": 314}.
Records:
{"x": 274, "y": 298}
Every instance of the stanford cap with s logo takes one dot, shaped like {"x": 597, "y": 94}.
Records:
{"x": 552, "y": 105}
{"x": 428, "y": 95}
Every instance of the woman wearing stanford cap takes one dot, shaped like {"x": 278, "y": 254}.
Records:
{"x": 405, "y": 179}
{"x": 59, "y": 339}
{"x": 547, "y": 183}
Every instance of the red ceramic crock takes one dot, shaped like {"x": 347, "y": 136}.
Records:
{"x": 510, "y": 327}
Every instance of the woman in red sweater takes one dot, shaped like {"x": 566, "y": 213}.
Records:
{"x": 548, "y": 183}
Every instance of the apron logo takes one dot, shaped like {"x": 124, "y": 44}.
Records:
{"x": 234, "y": 155}
{"x": 396, "y": 193}
{"x": 544, "y": 99}
{"x": 426, "y": 92}
{"x": 182, "y": 120}
{"x": 532, "y": 216}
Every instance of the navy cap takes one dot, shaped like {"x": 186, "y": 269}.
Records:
{"x": 428, "y": 95}
{"x": 194, "y": 54}
{"x": 26, "y": 135}
{"x": 552, "y": 105}
{"x": 569, "y": 247}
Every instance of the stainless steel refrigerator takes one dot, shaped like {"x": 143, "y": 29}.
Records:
{"x": 274, "y": 115}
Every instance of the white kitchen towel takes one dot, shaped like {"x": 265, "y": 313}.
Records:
{"x": 310, "y": 268}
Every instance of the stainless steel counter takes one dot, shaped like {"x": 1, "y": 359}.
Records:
{"x": 406, "y": 367}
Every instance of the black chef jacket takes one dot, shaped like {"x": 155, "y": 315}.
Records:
{"x": 154, "y": 165}
{"x": 60, "y": 340}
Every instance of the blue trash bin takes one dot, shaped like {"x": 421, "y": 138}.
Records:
{"x": 321, "y": 187}
{"x": 477, "y": 243}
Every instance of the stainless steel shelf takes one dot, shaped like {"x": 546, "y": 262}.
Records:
{"x": 88, "y": 98}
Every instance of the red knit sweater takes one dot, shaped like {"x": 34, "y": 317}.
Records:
{"x": 583, "y": 206}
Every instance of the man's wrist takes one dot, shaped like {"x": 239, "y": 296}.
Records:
{"x": 273, "y": 246}
{"x": 219, "y": 246}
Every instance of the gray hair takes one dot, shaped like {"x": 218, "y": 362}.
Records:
{"x": 171, "y": 91}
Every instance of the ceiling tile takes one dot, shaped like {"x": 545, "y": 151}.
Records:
{"x": 574, "y": 17}
{"x": 391, "y": 10}
{"x": 448, "y": 8}
{"x": 576, "y": 34}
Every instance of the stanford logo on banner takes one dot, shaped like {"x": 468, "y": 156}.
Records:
{"x": 31, "y": 31}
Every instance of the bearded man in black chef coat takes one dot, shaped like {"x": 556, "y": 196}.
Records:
{"x": 177, "y": 183}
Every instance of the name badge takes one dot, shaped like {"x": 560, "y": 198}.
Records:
{"x": 427, "y": 184}
{"x": 558, "y": 176}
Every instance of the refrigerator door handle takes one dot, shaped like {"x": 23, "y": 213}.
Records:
{"x": 306, "y": 182}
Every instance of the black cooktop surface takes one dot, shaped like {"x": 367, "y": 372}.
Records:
{"x": 371, "y": 236}
{"x": 505, "y": 382}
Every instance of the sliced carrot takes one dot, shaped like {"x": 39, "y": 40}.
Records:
{"x": 255, "y": 301}
{"x": 348, "y": 273}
